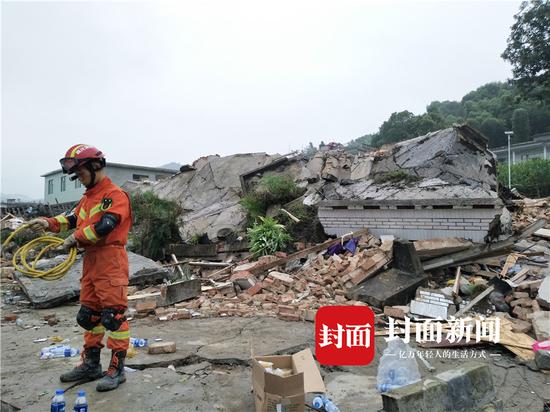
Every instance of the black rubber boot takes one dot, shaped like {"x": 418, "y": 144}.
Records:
{"x": 89, "y": 369}
{"x": 115, "y": 374}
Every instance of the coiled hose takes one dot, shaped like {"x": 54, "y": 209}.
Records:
{"x": 47, "y": 243}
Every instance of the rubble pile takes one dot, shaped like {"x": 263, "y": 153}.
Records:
{"x": 322, "y": 280}
{"x": 530, "y": 210}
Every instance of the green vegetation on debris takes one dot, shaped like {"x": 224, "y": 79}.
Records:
{"x": 395, "y": 176}
{"x": 155, "y": 224}
{"x": 271, "y": 190}
{"x": 531, "y": 178}
{"x": 267, "y": 236}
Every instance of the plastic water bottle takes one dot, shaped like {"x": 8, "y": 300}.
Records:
{"x": 59, "y": 351}
{"x": 138, "y": 343}
{"x": 317, "y": 402}
{"x": 330, "y": 406}
{"x": 58, "y": 401}
{"x": 80, "y": 405}
{"x": 323, "y": 402}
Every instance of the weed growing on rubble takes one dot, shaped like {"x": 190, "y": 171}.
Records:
{"x": 395, "y": 176}
{"x": 155, "y": 224}
{"x": 267, "y": 236}
{"x": 271, "y": 190}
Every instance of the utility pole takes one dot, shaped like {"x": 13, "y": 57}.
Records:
{"x": 509, "y": 134}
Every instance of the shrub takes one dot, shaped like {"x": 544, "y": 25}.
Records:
{"x": 396, "y": 176}
{"x": 267, "y": 236}
{"x": 155, "y": 224}
{"x": 531, "y": 177}
{"x": 270, "y": 190}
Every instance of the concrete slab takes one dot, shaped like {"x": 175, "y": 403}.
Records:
{"x": 48, "y": 294}
{"x": 389, "y": 288}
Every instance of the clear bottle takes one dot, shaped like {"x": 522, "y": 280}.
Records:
{"x": 317, "y": 402}
{"x": 81, "y": 405}
{"x": 138, "y": 343}
{"x": 59, "y": 351}
{"x": 323, "y": 402}
{"x": 58, "y": 401}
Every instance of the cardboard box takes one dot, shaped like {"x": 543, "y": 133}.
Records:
{"x": 274, "y": 393}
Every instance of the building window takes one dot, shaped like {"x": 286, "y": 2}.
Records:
{"x": 77, "y": 184}
{"x": 63, "y": 183}
{"x": 138, "y": 178}
{"x": 50, "y": 186}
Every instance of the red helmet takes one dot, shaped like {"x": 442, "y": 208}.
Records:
{"x": 80, "y": 154}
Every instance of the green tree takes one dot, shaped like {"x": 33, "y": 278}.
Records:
{"x": 528, "y": 48}
{"x": 494, "y": 130}
{"x": 521, "y": 125}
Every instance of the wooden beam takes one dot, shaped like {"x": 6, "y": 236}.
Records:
{"x": 482, "y": 250}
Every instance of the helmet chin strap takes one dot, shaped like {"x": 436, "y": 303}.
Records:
{"x": 91, "y": 169}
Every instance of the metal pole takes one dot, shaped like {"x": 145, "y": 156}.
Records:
{"x": 509, "y": 134}
{"x": 509, "y": 165}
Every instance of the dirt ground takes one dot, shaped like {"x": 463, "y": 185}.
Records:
{"x": 210, "y": 370}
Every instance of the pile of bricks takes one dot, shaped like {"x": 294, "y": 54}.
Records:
{"x": 523, "y": 304}
{"x": 295, "y": 296}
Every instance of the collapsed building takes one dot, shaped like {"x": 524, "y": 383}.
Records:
{"x": 442, "y": 184}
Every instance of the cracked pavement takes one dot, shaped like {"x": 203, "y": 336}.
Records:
{"x": 210, "y": 370}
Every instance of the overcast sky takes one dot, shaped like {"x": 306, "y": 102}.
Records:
{"x": 154, "y": 82}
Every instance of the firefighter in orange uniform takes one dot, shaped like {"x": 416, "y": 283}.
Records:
{"x": 102, "y": 220}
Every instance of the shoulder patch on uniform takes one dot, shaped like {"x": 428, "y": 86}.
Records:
{"x": 106, "y": 203}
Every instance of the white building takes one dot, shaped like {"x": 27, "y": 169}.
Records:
{"x": 539, "y": 147}
{"x": 59, "y": 189}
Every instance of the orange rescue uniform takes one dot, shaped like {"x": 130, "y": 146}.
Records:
{"x": 104, "y": 282}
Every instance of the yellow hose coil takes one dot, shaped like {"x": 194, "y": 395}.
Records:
{"x": 48, "y": 243}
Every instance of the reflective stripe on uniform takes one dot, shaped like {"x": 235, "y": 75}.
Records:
{"x": 96, "y": 209}
{"x": 90, "y": 234}
{"x": 98, "y": 330}
{"x": 82, "y": 214}
{"x": 120, "y": 335}
{"x": 63, "y": 223}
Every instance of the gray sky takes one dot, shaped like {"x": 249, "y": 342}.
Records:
{"x": 153, "y": 82}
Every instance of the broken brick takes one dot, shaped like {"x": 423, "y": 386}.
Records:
{"x": 161, "y": 311}
{"x": 521, "y": 326}
{"x": 284, "y": 278}
{"x": 286, "y": 309}
{"x": 146, "y": 305}
{"x": 244, "y": 274}
{"x": 290, "y": 317}
{"x": 256, "y": 288}
{"x": 161, "y": 347}
{"x": 10, "y": 317}
{"x": 398, "y": 312}
{"x": 522, "y": 302}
